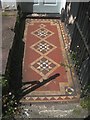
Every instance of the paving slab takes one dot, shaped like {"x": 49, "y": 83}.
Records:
{"x": 52, "y": 110}
{"x": 8, "y": 23}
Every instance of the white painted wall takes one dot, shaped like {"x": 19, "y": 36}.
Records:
{"x": 63, "y": 2}
{"x": 8, "y": 4}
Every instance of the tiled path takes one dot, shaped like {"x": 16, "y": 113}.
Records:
{"x": 44, "y": 76}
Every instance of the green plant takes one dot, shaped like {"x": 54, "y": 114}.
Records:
{"x": 73, "y": 57}
{"x": 85, "y": 102}
{"x": 85, "y": 90}
{"x": 66, "y": 65}
{"x": 9, "y": 101}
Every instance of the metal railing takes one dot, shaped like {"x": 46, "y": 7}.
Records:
{"x": 80, "y": 43}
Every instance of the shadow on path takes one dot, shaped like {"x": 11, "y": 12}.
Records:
{"x": 15, "y": 58}
{"x": 33, "y": 85}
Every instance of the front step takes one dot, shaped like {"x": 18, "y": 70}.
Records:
{"x": 43, "y": 15}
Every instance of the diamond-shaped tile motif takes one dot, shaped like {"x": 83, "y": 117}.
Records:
{"x": 44, "y": 66}
{"x": 44, "y": 51}
{"x": 42, "y": 33}
{"x": 43, "y": 47}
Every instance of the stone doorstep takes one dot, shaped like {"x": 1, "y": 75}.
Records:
{"x": 43, "y": 15}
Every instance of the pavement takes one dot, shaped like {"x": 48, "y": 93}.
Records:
{"x": 52, "y": 110}
{"x": 8, "y": 23}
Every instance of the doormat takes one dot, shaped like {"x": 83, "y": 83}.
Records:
{"x": 45, "y": 76}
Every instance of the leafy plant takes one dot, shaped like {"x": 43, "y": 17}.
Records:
{"x": 9, "y": 102}
{"x": 73, "y": 57}
{"x": 85, "y": 102}
{"x": 66, "y": 65}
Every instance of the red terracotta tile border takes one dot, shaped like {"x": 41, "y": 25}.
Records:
{"x": 44, "y": 51}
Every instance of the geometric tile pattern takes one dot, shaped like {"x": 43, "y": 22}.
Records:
{"x": 62, "y": 99}
{"x": 44, "y": 66}
{"x": 42, "y": 32}
{"x": 43, "y": 47}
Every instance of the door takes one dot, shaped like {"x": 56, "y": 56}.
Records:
{"x": 46, "y": 6}
{"x": 42, "y": 6}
